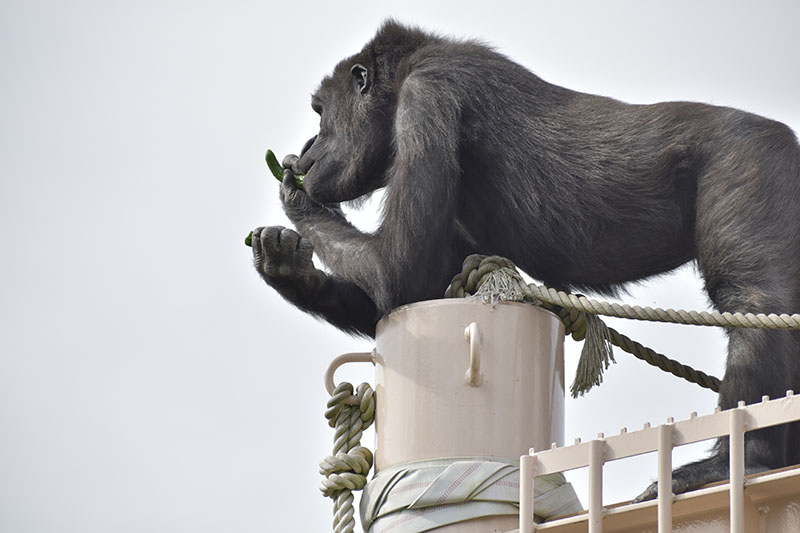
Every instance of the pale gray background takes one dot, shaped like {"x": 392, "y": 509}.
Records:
{"x": 149, "y": 381}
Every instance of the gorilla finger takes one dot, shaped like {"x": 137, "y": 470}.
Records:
{"x": 289, "y": 160}
{"x": 304, "y": 248}
{"x": 288, "y": 188}
{"x": 649, "y": 493}
{"x": 271, "y": 238}
{"x": 255, "y": 243}
{"x": 288, "y": 180}
{"x": 288, "y": 241}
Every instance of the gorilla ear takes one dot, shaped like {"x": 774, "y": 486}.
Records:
{"x": 361, "y": 78}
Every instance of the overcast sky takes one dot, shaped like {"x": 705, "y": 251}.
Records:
{"x": 149, "y": 380}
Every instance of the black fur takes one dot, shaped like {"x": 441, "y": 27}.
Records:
{"x": 479, "y": 155}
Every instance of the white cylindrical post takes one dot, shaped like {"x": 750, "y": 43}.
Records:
{"x": 425, "y": 409}
{"x": 512, "y": 398}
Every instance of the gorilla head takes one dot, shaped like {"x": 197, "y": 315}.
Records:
{"x": 353, "y": 150}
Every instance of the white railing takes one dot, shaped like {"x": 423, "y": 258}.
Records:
{"x": 733, "y": 423}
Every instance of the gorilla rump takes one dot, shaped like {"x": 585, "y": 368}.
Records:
{"x": 479, "y": 155}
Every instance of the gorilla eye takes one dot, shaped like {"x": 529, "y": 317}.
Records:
{"x": 361, "y": 80}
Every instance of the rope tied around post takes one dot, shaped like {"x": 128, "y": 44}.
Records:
{"x": 346, "y": 470}
{"x": 578, "y": 315}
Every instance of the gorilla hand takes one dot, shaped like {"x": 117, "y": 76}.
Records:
{"x": 283, "y": 259}
{"x": 290, "y": 160}
{"x": 297, "y": 203}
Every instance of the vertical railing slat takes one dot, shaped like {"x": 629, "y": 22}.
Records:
{"x": 596, "y": 486}
{"x": 665, "y": 478}
{"x": 736, "y": 453}
{"x": 526, "y": 463}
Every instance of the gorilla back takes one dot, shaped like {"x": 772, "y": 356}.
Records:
{"x": 479, "y": 155}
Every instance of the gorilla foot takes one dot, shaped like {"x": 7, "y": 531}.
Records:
{"x": 694, "y": 475}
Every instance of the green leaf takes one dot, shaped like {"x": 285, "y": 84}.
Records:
{"x": 274, "y": 166}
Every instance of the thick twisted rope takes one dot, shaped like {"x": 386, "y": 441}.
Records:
{"x": 575, "y": 323}
{"x": 346, "y": 470}
{"x": 476, "y": 267}
{"x": 576, "y": 312}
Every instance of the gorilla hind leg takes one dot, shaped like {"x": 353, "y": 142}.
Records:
{"x": 749, "y": 255}
{"x": 759, "y": 363}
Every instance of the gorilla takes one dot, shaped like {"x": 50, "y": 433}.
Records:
{"x": 479, "y": 155}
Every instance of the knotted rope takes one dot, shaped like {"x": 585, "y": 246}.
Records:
{"x": 502, "y": 281}
{"x": 346, "y": 470}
